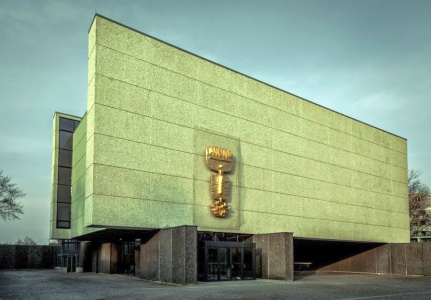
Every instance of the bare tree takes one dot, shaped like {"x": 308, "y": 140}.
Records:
{"x": 419, "y": 204}
{"x": 9, "y": 193}
{"x": 26, "y": 241}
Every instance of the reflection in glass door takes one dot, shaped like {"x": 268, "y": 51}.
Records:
{"x": 223, "y": 263}
{"x": 236, "y": 262}
{"x": 213, "y": 264}
{"x": 249, "y": 260}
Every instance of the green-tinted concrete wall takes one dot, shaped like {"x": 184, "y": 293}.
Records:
{"x": 301, "y": 168}
{"x": 79, "y": 169}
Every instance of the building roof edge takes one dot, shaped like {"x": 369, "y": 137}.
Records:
{"x": 218, "y": 64}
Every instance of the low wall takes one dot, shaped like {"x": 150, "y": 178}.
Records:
{"x": 27, "y": 257}
{"x": 396, "y": 259}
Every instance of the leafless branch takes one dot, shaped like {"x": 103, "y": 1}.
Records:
{"x": 419, "y": 204}
{"x": 10, "y": 209}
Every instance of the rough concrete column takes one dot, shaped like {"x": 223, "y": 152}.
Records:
{"x": 277, "y": 255}
{"x": 137, "y": 262}
{"x": 184, "y": 255}
{"x": 170, "y": 256}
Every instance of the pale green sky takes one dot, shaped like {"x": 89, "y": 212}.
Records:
{"x": 367, "y": 59}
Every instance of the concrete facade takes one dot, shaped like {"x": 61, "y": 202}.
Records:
{"x": 139, "y": 155}
{"x": 152, "y": 110}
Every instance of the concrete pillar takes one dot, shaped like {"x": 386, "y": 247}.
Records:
{"x": 170, "y": 256}
{"x": 276, "y": 250}
{"x": 137, "y": 262}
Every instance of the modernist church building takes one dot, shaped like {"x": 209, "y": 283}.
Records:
{"x": 184, "y": 170}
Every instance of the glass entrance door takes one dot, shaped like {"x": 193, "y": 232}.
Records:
{"x": 71, "y": 263}
{"x": 229, "y": 261}
{"x": 127, "y": 256}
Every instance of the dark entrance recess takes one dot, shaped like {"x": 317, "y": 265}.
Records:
{"x": 225, "y": 256}
{"x": 127, "y": 257}
{"x": 316, "y": 254}
{"x": 127, "y": 242}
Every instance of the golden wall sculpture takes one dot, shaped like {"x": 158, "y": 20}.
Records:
{"x": 219, "y": 160}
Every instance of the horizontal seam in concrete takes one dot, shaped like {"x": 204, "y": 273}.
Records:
{"x": 323, "y": 219}
{"x": 74, "y": 166}
{"x": 320, "y": 180}
{"x": 80, "y": 197}
{"x": 304, "y": 197}
{"x": 192, "y": 153}
{"x": 251, "y": 121}
{"x": 266, "y": 213}
{"x": 247, "y": 187}
{"x": 92, "y": 49}
{"x": 90, "y": 81}
{"x": 145, "y": 199}
{"x": 272, "y": 87}
{"x": 80, "y": 140}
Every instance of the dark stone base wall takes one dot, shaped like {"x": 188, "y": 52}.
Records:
{"x": 27, "y": 257}
{"x": 170, "y": 256}
{"x": 396, "y": 259}
{"x": 275, "y": 251}
{"x": 137, "y": 262}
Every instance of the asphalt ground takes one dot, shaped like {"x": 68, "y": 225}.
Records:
{"x": 47, "y": 284}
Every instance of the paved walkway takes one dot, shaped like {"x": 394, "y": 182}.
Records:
{"x": 46, "y": 284}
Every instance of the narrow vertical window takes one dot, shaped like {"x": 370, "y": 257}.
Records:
{"x": 64, "y": 179}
